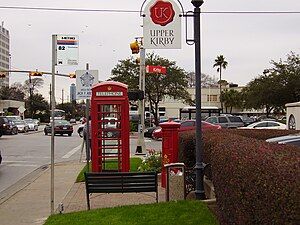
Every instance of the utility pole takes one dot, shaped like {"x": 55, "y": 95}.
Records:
{"x": 50, "y": 96}
{"x": 87, "y": 139}
{"x": 141, "y": 147}
{"x": 30, "y": 94}
{"x": 62, "y": 96}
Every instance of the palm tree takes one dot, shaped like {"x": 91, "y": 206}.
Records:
{"x": 220, "y": 63}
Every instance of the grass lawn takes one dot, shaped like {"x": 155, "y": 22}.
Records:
{"x": 134, "y": 164}
{"x": 169, "y": 213}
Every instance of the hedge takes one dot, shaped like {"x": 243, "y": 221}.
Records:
{"x": 255, "y": 182}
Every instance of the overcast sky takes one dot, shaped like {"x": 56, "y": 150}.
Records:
{"x": 248, "y": 41}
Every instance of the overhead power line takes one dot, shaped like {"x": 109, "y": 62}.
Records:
{"x": 136, "y": 11}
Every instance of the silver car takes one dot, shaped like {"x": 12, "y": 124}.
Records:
{"x": 32, "y": 125}
{"x": 22, "y": 126}
{"x": 226, "y": 121}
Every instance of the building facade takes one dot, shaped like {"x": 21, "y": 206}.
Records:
{"x": 72, "y": 92}
{"x": 4, "y": 54}
{"x": 210, "y": 97}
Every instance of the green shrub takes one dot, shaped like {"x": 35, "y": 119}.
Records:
{"x": 255, "y": 182}
{"x": 151, "y": 163}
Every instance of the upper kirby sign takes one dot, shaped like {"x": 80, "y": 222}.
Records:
{"x": 162, "y": 25}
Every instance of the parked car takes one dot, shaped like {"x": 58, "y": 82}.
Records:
{"x": 14, "y": 118}
{"x": 266, "y": 125}
{"x": 32, "y": 125}
{"x": 8, "y": 126}
{"x": 293, "y": 139}
{"x": 226, "y": 121}
{"x": 36, "y": 121}
{"x": 22, "y": 126}
{"x": 60, "y": 127}
{"x": 264, "y": 117}
{"x": 247, "y": 120}
{"x": 187, "y": 125}
{"x": 149, "y": 131}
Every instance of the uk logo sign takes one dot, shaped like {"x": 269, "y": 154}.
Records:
{"x": 162, "y": 25}
{"x": 162, "y": 13}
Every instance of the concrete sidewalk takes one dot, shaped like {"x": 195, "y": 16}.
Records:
{"x": 31, "y": 204}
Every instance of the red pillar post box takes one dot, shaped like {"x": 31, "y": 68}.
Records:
{"x": 169, "y": 146}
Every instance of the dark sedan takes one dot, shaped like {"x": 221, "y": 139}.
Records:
{"x": 7, "y": 126}
{"x": 60, "y": 127}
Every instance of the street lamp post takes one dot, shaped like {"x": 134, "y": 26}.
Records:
{"x": 199, "y": 151}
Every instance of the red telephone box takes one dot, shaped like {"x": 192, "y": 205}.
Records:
{"x": 110, "y": 126}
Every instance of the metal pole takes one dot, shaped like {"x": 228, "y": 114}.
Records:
{"x": 200, "y": 194}
{"x": 54, "y": 37}
{"x": 87, "y": 115}
{"x": 141, "y": 147}
{"x": 30, "y": 94}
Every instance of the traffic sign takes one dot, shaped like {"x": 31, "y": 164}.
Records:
{"x": 85, "y": 79}
{"x": 67, "y": 50}
{"x": 21, "y": 109}
{"x": 156, "y": 69}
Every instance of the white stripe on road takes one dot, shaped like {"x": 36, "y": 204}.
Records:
{"x": 21, "y": 165}
{"x": 73, "y": 151}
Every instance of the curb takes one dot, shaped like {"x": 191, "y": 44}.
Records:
{"x": 22, "y": 183}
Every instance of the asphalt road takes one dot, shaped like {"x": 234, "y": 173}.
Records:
{"x": 24, "y": 153}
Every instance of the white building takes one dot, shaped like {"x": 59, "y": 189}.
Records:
{"x": 209, "y": 97}
{"x": 4, "y": 54}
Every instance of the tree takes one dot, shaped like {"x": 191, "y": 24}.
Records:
{"x": 220, "y": 63}
{"x": 36, "y": 83}
{"x": 157, "y": 86}
{"x": 11, "y": 93}
{"x": 276, "y": 87}
{"x": 206, "y": 80}
{"x": 36, "y": 105}
{"x": 231, "y": 98}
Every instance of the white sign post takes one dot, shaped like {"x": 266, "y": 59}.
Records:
{"x": 64, "y": 53}
{"x": 162, "y": 25}
{"x": 67, "y": 50}
{"x": 85, "y": 79}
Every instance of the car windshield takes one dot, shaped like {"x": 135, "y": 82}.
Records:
{"x": 28, "y": 120}
{"x": 61, "y": 122}
{"x": 19, "y": 122}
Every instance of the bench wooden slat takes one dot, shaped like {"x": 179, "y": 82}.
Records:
{"x": 120, "y": 182}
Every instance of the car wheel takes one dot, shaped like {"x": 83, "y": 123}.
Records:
{"x": 46, "y": 133}
{"x": 70, "y": 134}
{"x": 36, "y": 129}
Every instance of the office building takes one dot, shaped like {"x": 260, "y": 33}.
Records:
{"x": 4, "y": 55}
{"x": 72, "y": 92}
